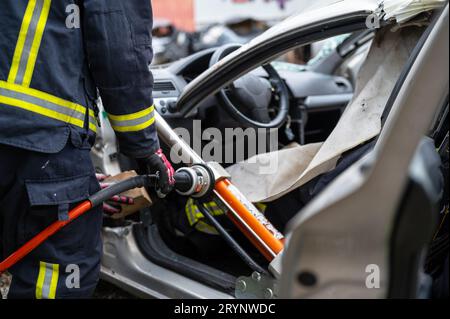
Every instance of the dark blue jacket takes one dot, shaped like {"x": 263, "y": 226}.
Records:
{"x": 55, "y": 55}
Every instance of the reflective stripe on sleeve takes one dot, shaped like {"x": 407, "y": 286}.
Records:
{"x": 133, "y": 122}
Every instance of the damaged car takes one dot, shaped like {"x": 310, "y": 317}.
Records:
{"x": 169, "y": 43}
{"x": 238, "y": 30}
{"x": 351, "y": 193}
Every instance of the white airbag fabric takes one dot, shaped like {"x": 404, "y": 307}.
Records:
{"x": 404, "y": 10}
{"x": 295, "y": 166}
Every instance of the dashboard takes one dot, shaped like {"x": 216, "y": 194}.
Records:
{"x": 170, "y": 80}
{"x": 312, "y": 94}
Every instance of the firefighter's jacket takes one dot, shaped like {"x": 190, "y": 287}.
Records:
{"x": 57, "y": 55}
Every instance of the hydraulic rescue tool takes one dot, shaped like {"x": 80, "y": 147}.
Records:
{"x": 194, "y": 181}
{"x": 199, "y": 180}
{"x": 247, "y": 218}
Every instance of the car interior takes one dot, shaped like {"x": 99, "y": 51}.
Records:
{"x": 305, "y": 102}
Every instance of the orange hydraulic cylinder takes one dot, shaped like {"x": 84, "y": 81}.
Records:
{"x": 251, "y": 222}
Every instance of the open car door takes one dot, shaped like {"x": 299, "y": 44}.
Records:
{"x": 365, "y": 235}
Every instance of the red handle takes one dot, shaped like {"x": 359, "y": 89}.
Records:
{"x": 36, "y": 241}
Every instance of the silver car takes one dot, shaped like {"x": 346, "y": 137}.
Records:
{"x": 357, "y": 135}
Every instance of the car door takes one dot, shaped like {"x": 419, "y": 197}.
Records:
{"x": 364, "y": 236}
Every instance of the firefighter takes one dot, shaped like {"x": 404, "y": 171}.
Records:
{"x": 55, "y": 57}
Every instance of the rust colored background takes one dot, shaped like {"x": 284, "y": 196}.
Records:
{"x": 181, "y": 13}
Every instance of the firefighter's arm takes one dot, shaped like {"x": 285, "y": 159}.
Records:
{"x": 117, "y": 37}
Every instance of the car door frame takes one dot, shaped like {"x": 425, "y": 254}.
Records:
{"x": 345, "y": 234}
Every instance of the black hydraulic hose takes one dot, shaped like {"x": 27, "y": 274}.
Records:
{"x": 183, "y": 182}
{"x": 131, "y": 183}
{"x": 150, "y": 181}
{"x": 230, "y": 240}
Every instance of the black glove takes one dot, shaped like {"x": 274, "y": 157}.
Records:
{"x": 158, "y": 163}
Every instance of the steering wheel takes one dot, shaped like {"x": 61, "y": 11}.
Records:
{"x": 254, "y": 94}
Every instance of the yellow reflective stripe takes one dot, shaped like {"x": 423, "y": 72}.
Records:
{"x": 49, "y": 98}
{"x": 92, "y": 127}
{"x": 133, "y": 116}
{"x": 196, "y": 218}
{"x": 54, "y": 281}
{"x": 47, "y": 281}
{"x": 205, "y": 228}
{"x": 21, "y": 41}
{"x": 41, "y": 110}
{"x": 189, "y": 212}
{"x": 194, "y": 214}
{"x": 214, "y": 209}
{"x": 41, "y": 279}
{"x": 44, "y": 96}
{"x": 134, "y": 128}
{"x": 262, "y": 207}
{"x": 133, "y": 122}
{"x": 199, "y": 215}
{"x": 36, "y": 43}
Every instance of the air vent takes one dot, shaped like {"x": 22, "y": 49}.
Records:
{"x": 164, "y": 86}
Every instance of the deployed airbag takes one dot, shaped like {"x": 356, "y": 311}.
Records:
{"x": 361, "y": 122}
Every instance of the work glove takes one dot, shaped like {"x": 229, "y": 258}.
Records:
{"x": 158, "y": 164}
{"x": 113, "y": 205}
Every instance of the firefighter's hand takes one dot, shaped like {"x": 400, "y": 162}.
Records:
{"x": 158, "y": 163}
{"x": 113, "y": 206}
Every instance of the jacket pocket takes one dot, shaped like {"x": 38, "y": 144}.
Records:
{"x": 51, "y": 200}
{"x": 58, "y": 192}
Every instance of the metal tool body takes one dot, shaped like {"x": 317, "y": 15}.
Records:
{"x": 249, "y": 220}
{"x": 197, "y": 181}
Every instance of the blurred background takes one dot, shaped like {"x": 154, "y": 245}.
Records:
{"x": 183, "y": 27}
